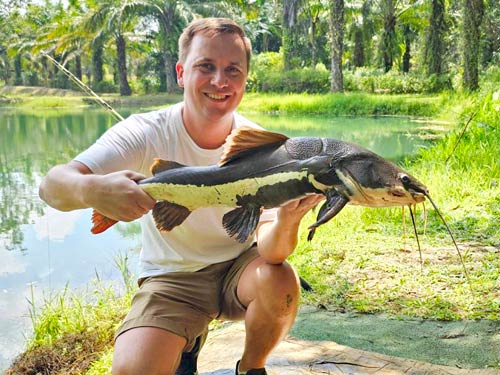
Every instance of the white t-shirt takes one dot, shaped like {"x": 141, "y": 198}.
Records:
{"x": 132, "y": 144}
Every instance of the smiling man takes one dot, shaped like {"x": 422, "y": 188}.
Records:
{"x": 196, "y": 272}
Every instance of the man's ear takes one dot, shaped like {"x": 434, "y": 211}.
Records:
{"x": 180, "y": 74}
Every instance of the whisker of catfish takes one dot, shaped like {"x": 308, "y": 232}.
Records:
{"x": 452, "y": 238}
{"x": 416, "y": 236}
{"x": 425, "y": 218}
{"x": 403, "y": 214}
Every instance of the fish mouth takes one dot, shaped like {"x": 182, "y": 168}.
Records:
{"x": 417, "y": 196}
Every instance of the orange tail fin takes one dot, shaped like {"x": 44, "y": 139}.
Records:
{"x": 101, "y": 222}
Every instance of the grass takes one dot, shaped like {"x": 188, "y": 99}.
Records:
{"x": 352, "y": 104}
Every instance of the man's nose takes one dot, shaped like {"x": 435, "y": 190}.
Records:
{"x": 219, "y": 78}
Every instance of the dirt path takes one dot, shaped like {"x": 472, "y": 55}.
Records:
{"x": 302, "y": 357}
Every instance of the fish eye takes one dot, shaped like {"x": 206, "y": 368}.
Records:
{"x": 405, "y": 178}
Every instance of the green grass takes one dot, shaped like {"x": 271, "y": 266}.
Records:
{"x": 351, "y": 104}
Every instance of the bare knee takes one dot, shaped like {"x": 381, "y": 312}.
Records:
{"x": 279, "y": 286}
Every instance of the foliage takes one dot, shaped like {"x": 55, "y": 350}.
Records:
{"x": 136, "y": 39}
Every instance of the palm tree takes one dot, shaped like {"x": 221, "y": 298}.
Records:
{"x": 115, "y": 18}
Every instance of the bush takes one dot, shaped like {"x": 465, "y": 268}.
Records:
{"x": 105, "y": 87}
{"x": 267, "y": 75}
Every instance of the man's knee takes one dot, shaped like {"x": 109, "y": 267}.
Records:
{"x": 279, "y": 286}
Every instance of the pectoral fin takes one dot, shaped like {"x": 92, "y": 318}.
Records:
{"x": 168, "y": 215}
{"x": 335, "y": 202}
{"x": 241, "y": 222}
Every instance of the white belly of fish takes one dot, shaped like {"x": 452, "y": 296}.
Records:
{"x": 193, "y": 196}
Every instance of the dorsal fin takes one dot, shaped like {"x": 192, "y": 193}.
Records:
{"x": 160, "y": 165}
{"x": 246, "y": 138}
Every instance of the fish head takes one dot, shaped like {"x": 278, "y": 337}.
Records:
{"x": 370, "y": 180}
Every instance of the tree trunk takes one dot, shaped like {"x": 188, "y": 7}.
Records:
{"x": 337, "y": 30}
{"x": 97, "y": 62}
{"x": 171, "y": 78}
{"x": 18, "y": 70}
{"x": 407, "y": 54}
{"x": 314, "y": 48}
{"x": 290, "y": 9}
{"x": 359, "y": 48}
{"x": 168, "y": 50}
{"x": 472, "y": 16}
{"x": 78, "y": 67}
{"x": 368, "y": 32}
{"x": 434, "y": 50}
{"x": 121, "y": 55}
{"x": 388, "y": 35}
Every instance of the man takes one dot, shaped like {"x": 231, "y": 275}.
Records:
{"x": 196, "y": 272}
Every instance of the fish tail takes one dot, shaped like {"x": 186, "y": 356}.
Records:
{"x": 101, "y": 222}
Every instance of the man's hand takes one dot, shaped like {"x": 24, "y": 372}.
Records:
{"x": 117, "y": 196}
{"x": 277, "y": 239}
{"x": 295, "y": 210}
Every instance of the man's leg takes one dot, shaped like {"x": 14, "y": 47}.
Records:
{"x": 271, "y": 294}
{"x": 147, "y": 351}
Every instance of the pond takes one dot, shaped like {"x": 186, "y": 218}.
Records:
{"x": 42, "y": 250}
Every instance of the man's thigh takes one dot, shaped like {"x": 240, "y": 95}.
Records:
{"x": 182, "y": 303}
{"x": 147, "y": 350}
{"x": 232, "y": 308}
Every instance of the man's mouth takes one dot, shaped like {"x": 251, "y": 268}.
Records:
{"x": 217, "y": 96}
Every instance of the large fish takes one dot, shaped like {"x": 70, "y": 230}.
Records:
{"x": 262, "y": 169}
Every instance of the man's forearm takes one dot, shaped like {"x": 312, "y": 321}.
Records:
{"x": 276, "y": 242}
{"x": 63, "y": 188}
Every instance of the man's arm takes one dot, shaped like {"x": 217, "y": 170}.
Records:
{"x": 277, "y": 239}
{"x": 116, "y": 195}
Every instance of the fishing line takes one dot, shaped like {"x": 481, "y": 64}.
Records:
{"x": 83, "y": 86}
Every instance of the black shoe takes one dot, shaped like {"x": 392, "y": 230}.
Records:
{"x": 189, "y": 360}
{"x": 253, "y": 371}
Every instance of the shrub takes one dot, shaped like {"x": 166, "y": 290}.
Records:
{"x": 105, "y": 87}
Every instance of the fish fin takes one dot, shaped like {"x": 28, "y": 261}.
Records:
{"x": 101, "y": 222}
{"x": 160, "y": 165}
{"x": 168, "y": 215}
{"x": 241, "y": 222}
{"x": 246, "y": 138}
{"x": 335, "y": 202}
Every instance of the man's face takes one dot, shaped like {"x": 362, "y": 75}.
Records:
{"x": 213, "y": 75}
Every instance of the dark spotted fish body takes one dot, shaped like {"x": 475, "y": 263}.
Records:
{"x": 261, "y": 169}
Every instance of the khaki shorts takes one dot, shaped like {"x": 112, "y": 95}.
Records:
{"x": 184, "y": 303}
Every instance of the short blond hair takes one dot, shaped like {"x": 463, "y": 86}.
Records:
{"x": 211, "y": 27}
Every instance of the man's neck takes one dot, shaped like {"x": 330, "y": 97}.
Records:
{"x": 206, "y": 134}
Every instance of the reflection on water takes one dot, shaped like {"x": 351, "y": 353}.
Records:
{"x": 43, "y": 250}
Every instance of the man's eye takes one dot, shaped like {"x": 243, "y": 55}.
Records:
{"x": 205, "y": 67}
{"x": 233, "y": 70}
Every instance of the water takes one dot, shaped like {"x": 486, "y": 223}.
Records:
{"x": 43, "y": 250}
